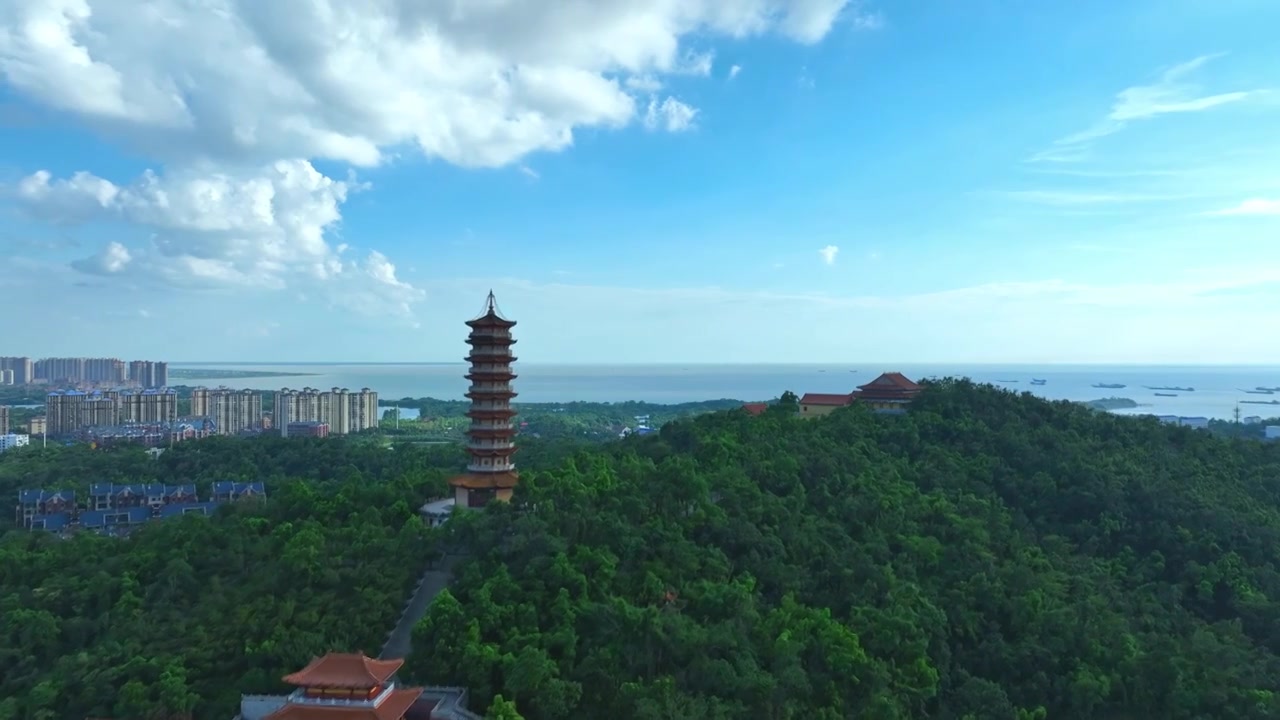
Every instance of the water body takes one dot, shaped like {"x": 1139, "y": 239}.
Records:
{"x": 1218, "y": 388}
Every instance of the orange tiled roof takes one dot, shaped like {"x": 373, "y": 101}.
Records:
{"x": 344, "y": 670}
{"x": 755, "y": 408}
{"x": 392, "y": 708}
{"x": 826, "y": 399}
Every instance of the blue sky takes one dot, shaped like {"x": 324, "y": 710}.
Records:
{"x": 730, "y": 181}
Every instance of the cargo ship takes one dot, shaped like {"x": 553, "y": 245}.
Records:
{"x": 1109, "y": 386}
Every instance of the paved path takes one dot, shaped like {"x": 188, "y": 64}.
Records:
{"x": 436, "y": 578}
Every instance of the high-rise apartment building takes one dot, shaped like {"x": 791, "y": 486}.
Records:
{"x": 67, "y": 411}
{"x": 343, "y": 411}
{"x": 148, "y": 406}
{"x": 4, "y": 419}
{"x": 6, "y": 377}
{"x": 149, "y": 374}
{"x": 22, "y": 367}
{"x": 73, "y": 370}
{"x": 232, "y": 411}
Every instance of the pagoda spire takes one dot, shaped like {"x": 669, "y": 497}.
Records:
{"x": 490, "y": 472}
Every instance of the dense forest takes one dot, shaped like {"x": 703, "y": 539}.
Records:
{"x": 186, "y": 614}
{"x": 987, "y": 556}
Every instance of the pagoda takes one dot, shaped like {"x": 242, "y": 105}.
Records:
{"x": 346, "y": 686}
{"x": 490, "y": 438}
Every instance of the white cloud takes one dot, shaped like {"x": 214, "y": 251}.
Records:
{"x": 1171, "y": 93}
{"x": 1253, "y": 206}
{"x": 734, "y": 70}
{"x": 476, "y": 83}
{"x": 236, "y": 98}
{"x": 250, "y": 229}
{"x": 670, "y": 115}
{"x": 529, "y": 172}
{"x": 828, "y": 254}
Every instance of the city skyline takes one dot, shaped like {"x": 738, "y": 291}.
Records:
{"x": 742, "y": 181}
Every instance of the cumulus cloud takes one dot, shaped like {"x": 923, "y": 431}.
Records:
{"x": 259, "y": 228}
{"x": 236, "y": 98}
{"x": 478, "y": 84}
{"x": 670, "y": 115}
{"x": 828, "y": 254}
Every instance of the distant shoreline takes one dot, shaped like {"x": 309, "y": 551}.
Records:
{"x": 214, "y": 374}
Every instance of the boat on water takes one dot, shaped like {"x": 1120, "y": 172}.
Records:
{"x": 1259, "y": 392}
{"x": 1038, "y": 381}
{"x": 1166, "y": 395}
{"x": 1109, "y": 386}
{"x": 1260, "y": 402}
{"x": 1006, "y": 381}
{"x": 1170, "y": 388}
{"x": 1272, "y": 389}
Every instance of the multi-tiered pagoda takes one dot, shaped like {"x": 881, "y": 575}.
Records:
{"x": 490, "y": 438}
{"x": 346, "y": 686}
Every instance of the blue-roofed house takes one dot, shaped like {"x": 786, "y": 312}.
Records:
{"x": 228, "y": 491}
{"x": 191, "y": 508}
{"x": 180, "y": 494}
{"x": 155, "y": 494}
{"x": 42, "y": 502}
{"x": 114, "y": 518}
{"x": 53, "y": 522}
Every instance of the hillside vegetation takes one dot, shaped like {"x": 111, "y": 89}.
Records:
{"x": 988, "y": 556}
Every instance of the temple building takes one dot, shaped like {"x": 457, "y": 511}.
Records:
{"x": 491, "y": 437}
{"x": 350, "y": 686}
{"x": 890, "y": 393}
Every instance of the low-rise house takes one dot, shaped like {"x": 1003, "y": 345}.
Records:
{"x": 755, "y": 408}
{"x": 230, "y": 491}
{"x": 819, "y": 404}
{"x": 191, "y": 508}
{"x": 43, "y": 502}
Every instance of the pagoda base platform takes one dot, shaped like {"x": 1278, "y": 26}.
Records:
{"x": 475, "y": 490}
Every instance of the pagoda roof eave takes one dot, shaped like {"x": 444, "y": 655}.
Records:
{"x": 344, "y": 670}
{"x": 486, "y": 481}
{"x": 392, "y": 707}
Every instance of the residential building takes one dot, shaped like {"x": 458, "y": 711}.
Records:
{"x": 37, "y": 425}
{"x": 1271, "y": 432}
{"x": 23, "y": 369}
{"x": 67, "y": 411}
{"x": 151, "y": 434}
{"x": 757, "y": 408}
{"x": 308, "y": 428}
{"x": 9, "y": 441}
{"x": 232, "y": 411}
{"x": 232, "y": 491}
{"x": 148, "y": 406}
{"x": 5, "y": 419}
{"x": 6, "y": 377}
{"x": 347, "y": 686}
{"x": 343, "y": 411}
{"x": 149, "y": 374}
{"x": 117, "y": 508}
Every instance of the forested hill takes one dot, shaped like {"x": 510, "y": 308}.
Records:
{"x": 988, "y": 556}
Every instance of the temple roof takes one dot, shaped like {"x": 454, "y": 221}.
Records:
{"x": 891, "y": 381}
{"x": 344, "y": 670}
{"x": 396, "y": 704}
{"x": 835, "y": 399}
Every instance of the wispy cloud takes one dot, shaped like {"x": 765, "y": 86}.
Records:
{"x": 734, "y": 70}
{"x": 529, "y": 172}
{"x": 829, "y": 254}
{"x": 1066, "y": 198}
{"x": 1252, "y": 206}
{"x": 1172, "y": 93}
